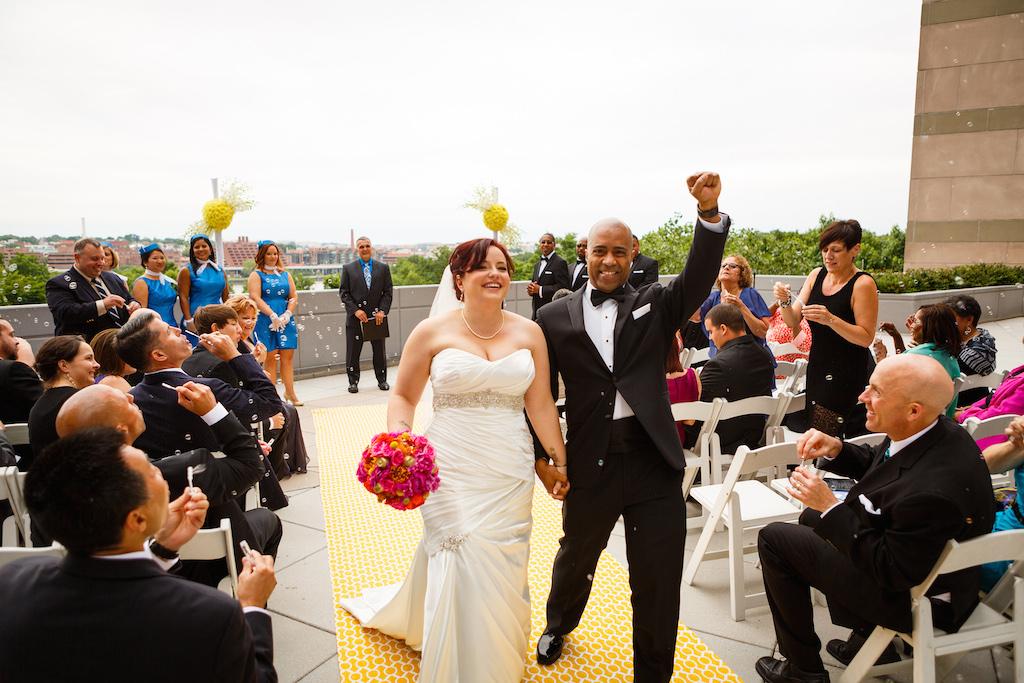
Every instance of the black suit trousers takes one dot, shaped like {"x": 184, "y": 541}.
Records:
{"x": 641, "y": 487}
{"x": 355, "y": 348}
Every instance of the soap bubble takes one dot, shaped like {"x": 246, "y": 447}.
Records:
{"x": 959, "y": 280}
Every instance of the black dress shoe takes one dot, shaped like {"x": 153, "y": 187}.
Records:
{"x": 845, "y": 650}
{"x": 383, "y": 386}
{"x": 353, "y": 388}
{"x": 781, "y": 671}
{"x": 549, "y": 648}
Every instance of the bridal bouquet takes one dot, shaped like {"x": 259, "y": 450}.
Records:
{"x": 399, "y": 469}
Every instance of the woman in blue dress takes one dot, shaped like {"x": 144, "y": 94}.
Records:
{"x": 735, "y": 286}
{"x": 272, "y": 289}
{"x": 154, "y": 289}
{"x": 202, "y": 282}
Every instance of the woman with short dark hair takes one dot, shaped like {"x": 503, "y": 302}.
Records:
{"x": 202, "y": 282}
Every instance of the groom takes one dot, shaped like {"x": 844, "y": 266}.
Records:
{"x": 610, "y": 342}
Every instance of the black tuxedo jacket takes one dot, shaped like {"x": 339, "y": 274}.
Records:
{"x": 742, "y": 368}
{"x": 204, "y": 364}
{"x": 644, "y": 271}
{"x": 646, "y": 323}
{"x": 897, "y": 519}
{"x": 20, "y": 388}
{"x": 170, "y": 427}
{"x": 581, "y": 278}
{"x": 553, "y": 277}
{"x": 87, "y": 619}
{"x": 356, "y": 297}
{"x": 72, "y": 301}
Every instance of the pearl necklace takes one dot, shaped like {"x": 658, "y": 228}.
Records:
{"x": 480, "y": 336}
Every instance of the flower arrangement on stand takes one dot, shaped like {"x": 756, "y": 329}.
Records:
{"x": 495, "y": 215}
{"x": 218, "y": 213}
{"x": 399, "y": 468}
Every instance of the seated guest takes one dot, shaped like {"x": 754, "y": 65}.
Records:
{"x": 294, "y": 446}
{"x": 1007, "y": 399}
{"x": 781, "y": 333}
{"x": 735, "y": 286}
{"x": 20, "y": 386}
{"x": 683, "y": 385}
{"x": 742, "y": 368}
{"x": 922, "y": 486}
{"x": 112, "y": 371}
{"x": 1002, "y": 457}
{"x": 65, "y": 364}
{"x": 154, "y": 347}
{"x": 934, "y": 332}
{"x": 202, "y": 363}
{"x": 109, "y": 610}
{"x": 223, "y": 480}
{"x": 978, "y": 354}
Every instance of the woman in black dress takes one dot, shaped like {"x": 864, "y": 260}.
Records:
{"x": 65, "y": 364}
{"x": 840, "y": 302}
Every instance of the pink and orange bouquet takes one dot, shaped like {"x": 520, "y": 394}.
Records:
{"x": 399, "y": 468}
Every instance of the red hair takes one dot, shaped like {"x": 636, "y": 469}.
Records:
{"x": 471, "y": 254}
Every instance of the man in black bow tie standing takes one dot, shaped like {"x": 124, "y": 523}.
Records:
{"x": 610, "y": 342}
{"x": 550, "y": 274}
{"x": 579, "y": 277}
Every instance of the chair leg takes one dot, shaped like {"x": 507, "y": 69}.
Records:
{"x": 702, "y": 543}
{"x": 867, "y": 656}
{"x": 737, "y": 587}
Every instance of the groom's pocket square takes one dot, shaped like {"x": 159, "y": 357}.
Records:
{"x": 868, "y": 505}
{"x": 642, "y": 311}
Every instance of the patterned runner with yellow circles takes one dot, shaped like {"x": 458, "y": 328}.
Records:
{"x": 370, "y": 544}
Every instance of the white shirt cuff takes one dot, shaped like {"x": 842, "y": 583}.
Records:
{"x": 246, "y": 610}
{"x": 164, "y": 564}
{"x": 215, "y": 415}
{"x": 831, "y": 507}
{"x": 713, "y": 227}
{"x": 100, "y": 308}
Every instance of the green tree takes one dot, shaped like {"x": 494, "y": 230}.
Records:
{"x": 248, "y": 266}
{"x": 23, "y": 280}
{"x": 302, "y": 283}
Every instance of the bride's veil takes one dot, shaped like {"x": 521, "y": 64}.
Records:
{"x": 445, "y": 299}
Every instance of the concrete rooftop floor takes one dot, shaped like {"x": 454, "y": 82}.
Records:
{"x": 303, "y": 603}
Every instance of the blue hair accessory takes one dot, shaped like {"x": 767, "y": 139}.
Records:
{"x": 195, "y": 237}
{"x": 148, "y": 248}
{"x": 107, "y": 244}
{"x": 263, "y": 243}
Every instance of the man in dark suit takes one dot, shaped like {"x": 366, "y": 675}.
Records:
{"x": 644, "y": 270}
{"x": 20, "y": 386}
{"x": 365, "y": 291}
{"x": 550, "y": 274}
{"x": 109, "y": 610}
{"x": 609, "y": 342}
{"x": 87, "y": 299}
{"x": 578, "y": 276}
{"x": 223, "y": 480}
{"x": 742, "y": 368}
{"x": 922, "y": 486}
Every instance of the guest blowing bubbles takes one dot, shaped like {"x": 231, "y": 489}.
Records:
{"x": 202, "y": 281}
{"x": 735, "y": 286}
{"x": 154, "y": 289}
{"x": 842, "y": 309}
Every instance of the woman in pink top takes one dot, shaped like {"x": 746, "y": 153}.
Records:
{"x": 683, "y": 385}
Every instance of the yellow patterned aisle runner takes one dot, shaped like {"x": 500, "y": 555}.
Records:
{"x": 370, "y": 544}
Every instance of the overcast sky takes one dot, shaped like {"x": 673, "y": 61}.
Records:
{"x": 382, "y": 116}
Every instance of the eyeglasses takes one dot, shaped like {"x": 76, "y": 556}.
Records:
{"x": 731, "y": 266}
{"x": 581, "y": 245}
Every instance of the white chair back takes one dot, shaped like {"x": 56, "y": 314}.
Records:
{"x": 214, "y": 544}
{"x": 14, "y": 483}
{"x": 11, "y": 554}
{"x": 17, "y": 433}
{"x": 992, "y": 426}
{"x": 990, "y": 381}
{"x": 771, "y": 407}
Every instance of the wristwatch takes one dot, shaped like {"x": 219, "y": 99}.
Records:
{"x": 709, "y": 214}
{"x": 160, "y": 551}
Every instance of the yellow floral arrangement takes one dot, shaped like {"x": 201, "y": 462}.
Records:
{"x": 218, "y": 213}
{"x": 494, "y": 214}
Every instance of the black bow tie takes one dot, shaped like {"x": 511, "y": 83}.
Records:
{"x": 581, "y": 260}
{"x": 597, "y": 297}
{"x": 543, "y": 258}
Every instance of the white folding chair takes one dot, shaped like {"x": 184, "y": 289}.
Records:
{"x": 770, "y": 407}
{"x": 794, "y": 374}
{"x": 935, "y": 651}
{"x": 686, "y": 356}
{"x": 698, "y": 459}
{"x": 781, "y": 433}
{"x": 17, "y": 433}
{"x": 990, "y": 381}
{"x": 695, "y": 356}
{"x": 12, "y": 554}
{"x": 983, "y": 429}
{"x": 14, "y": 484}
{"x": 214, "y": 544}
{"x": 742, "y": 506}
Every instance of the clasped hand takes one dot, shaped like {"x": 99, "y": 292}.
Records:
{"x": 554, "y": 479}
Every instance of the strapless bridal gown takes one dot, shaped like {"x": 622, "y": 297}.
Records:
{"x": 465, "y": 603}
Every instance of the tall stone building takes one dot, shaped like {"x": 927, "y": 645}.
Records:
{"x": 967, "y": 169}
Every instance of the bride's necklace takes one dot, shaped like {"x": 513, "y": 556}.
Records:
{"x": 480, "y": 336}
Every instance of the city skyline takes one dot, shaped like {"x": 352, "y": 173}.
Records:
{"x": 382, "y": 119}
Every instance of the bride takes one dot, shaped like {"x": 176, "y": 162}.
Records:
{"x": 465, "y": 603}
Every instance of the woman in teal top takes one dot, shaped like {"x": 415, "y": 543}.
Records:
{"x": 202, "y": 282}
{"x": 273, "y": 291}
{"x": 154, "y": 289}
{"x": 934, "y": 331}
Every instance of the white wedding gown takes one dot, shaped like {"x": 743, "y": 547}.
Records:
{"x": 465, "y": 603}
